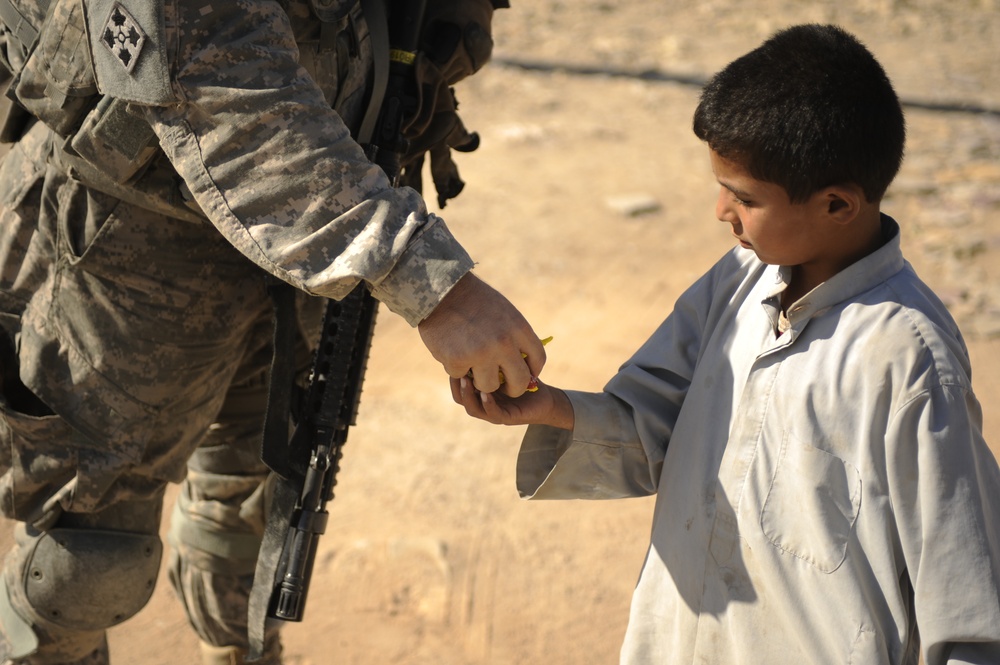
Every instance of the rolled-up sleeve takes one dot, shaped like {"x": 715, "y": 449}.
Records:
{"x": 276, "y": 170}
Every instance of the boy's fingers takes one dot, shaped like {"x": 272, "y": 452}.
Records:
{"x": 456, "y": 389}
{"x": 491, "y": 409}
{"x": 466, "y": 394}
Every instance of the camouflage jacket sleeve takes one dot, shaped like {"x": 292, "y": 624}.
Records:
{"x": 275, "y": 169}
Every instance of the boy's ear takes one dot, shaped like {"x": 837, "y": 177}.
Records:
{"x": 843, "y": 203}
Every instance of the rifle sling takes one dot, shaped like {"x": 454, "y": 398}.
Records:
{"x": 272, "y": 548}
{"x": 274, "y": 447}
{"x": 378, "y": 29}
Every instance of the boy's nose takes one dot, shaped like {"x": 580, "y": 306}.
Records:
{"x": 723, "y": 210}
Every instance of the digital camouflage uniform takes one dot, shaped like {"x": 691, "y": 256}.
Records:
{"x": 133, "y": 295}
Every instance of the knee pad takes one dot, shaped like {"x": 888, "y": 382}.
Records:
{"x": 88, "y": 580}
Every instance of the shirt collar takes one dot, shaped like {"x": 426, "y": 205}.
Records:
{"x": 857, "y": 278}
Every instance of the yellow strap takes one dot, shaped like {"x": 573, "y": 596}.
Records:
{"x": 399, "y": 55}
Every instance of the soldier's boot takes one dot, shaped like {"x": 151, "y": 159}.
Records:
{"x": 212, "y": 655}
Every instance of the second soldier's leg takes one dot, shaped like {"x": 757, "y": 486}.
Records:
{"x": 217, "y": 525}
{"x": 218, "y": 521}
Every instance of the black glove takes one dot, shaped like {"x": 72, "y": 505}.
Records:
{"x": 456, "y": 42}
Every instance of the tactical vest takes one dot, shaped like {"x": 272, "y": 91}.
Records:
{"x": 51, "y": 57}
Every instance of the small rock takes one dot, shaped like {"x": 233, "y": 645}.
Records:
{"x": 633, "y": 205}
{"x": 521, "y": 133}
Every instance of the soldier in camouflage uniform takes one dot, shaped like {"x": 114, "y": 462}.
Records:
{"x": 135, "y": 239}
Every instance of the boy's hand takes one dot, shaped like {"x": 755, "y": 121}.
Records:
{"x": 544, "y": 406}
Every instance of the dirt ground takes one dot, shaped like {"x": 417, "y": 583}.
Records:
{"x": 590, "y": 205}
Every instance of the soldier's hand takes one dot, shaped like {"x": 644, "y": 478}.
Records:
{"x": 475, "y": 328}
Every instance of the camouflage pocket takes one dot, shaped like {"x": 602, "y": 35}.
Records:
{"x": 45, "y": 464}
{"x": 48, "y": 465}
{"x": 21, "y": 169}
{"x": 37, "y": 459}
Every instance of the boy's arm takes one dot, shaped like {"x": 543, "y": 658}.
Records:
{"x": 612, "y": 444}
{"x": 608, "y": 463}
{"x": 602, "y": 457}
{"x": 945, "y": 490}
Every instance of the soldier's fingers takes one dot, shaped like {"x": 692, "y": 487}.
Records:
{"x": 533, "y": 351}
{"x": 486, "y": 378}
{"x": 516, "y": 378}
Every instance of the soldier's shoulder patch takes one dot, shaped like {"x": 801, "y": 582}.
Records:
{"x": 123, "y": 36}
{"x": 128, "y": 44}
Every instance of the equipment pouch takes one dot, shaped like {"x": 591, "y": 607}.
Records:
{"x": 57, "y": 83}
{"x": 115, "y": 140}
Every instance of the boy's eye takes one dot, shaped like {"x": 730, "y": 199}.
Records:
{"x": 741, "y": 202}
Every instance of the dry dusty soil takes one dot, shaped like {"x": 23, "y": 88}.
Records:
{"x": 590, "y": 205}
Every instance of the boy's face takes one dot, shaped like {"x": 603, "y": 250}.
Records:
{"x": 764, "y": 219}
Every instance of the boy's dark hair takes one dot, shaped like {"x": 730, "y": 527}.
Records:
{"x": 809, "y": 108}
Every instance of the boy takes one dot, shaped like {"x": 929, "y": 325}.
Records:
{"x": 805, "y": 415}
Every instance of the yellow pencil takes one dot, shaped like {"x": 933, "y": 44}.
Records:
{"x": 533, "y": 384}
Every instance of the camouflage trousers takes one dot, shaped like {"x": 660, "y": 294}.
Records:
{"x": 147, "y": 340}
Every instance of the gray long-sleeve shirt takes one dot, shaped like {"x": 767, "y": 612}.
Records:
{"x": 822, "y": 494}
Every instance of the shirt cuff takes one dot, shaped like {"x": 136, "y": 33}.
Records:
{"x": 600, "y": 459}
{"x": 432, "y": 264}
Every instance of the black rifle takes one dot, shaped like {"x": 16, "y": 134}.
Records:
{"x": 312, "y": 458}
{"x": 308, "y": 462}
